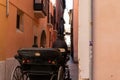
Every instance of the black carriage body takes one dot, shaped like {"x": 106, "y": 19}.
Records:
{"x": 40, "y": 60}
{"x": 42, "y": 64}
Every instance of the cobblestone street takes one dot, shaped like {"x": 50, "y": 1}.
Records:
{"x": 73, "y": 69}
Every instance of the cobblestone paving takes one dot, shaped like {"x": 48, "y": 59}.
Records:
{"x": 73, "y": 69}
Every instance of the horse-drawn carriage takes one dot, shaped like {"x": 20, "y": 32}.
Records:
{"x": 41, "y": 64}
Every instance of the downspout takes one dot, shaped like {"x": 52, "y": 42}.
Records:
{"x": 7, "y": 14}
{"x": 92, "y": 41}
{"x": 7, "y": 8}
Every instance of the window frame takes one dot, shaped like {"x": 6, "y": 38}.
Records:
{"x": 20, "y": 20}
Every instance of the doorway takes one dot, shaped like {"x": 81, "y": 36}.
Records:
{"x": 43, "y": 40}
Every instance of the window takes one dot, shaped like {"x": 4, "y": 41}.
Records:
{"x": 38, "y": 1}
{"x": 19, "y": 20}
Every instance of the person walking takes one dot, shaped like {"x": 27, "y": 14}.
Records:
{"x": 60, "y": 43}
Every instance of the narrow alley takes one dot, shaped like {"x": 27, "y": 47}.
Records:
{"x": 73, "y": 69}
{"x": 32, "y": 23}
{"x": 91, "y": 29}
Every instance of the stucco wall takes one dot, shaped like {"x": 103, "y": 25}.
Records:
{"x": 3, "y": 29}
{"x": 17, "y": 39}
{"x": 84, "y": 39}
{"x": 2, "y": 70}
{"x": 106, "y": 40}
{"x": 75, "y": 30}
{"x": 12, "y": 39}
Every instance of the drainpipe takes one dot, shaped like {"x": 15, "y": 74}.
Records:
{"x": 91, "y": 42}
{"x": 7, "y": 14}
{"x": 7, "y": 8}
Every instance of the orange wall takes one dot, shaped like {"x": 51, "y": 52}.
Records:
{"x": 12, "y": 39}
{"x": 106, "y": 40}
{"x": 2, "y": 2}
{"x": 15, "y": 38}
{"x": 26, "y": 6}
{"x": 3, "y": 29}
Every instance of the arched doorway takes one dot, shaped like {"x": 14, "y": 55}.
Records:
{"x": 43, "y": 39}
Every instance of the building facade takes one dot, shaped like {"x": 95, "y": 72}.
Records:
{"x": 98, "y": 40}
{"x": 23, "y": 24}
{"x": 3, "y": 26}
{"x": 60, "y": 6}
{"x": 75, "y": 30}
{"x": 106, "y": 37}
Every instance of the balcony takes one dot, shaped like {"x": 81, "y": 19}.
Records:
{"x": 40, "y": 8}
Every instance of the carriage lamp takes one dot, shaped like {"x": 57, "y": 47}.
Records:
{"x": 25, "y": 61}
{"x": 61, "y": 49}
{"x": 37, "y": 54}
{"x": 51, "y": 62}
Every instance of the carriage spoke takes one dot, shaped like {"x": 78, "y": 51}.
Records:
{"x": 17, "y": 73}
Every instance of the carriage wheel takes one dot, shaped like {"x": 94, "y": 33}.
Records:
{"x": 60, "y": 73}
{"x": 25, "y": 76}
{"x": 53, "y": 77}
{"x": 19, "y": 75}
{"x": 16, "y": 75}
{"x": 67, "y": 75}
